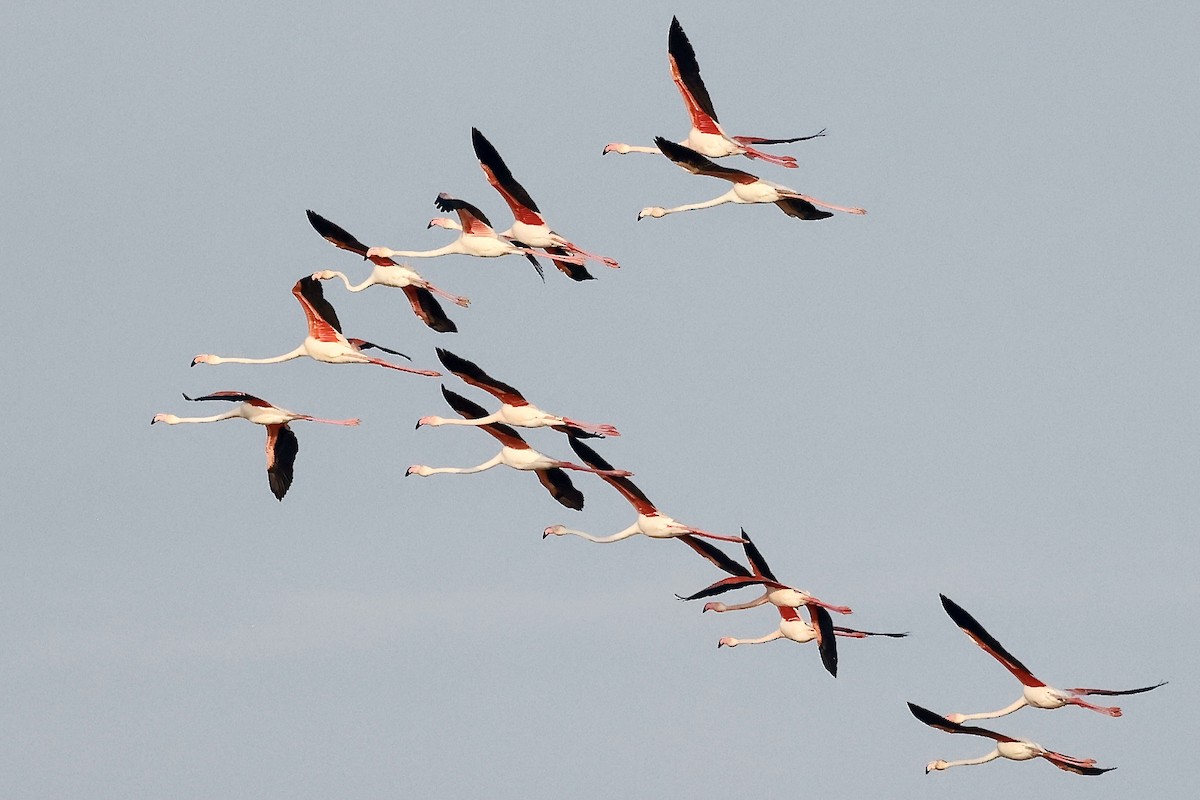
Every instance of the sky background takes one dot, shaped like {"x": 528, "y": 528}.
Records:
{"x": 987, "y": 387}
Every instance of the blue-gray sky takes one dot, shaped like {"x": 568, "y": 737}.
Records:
{"x": 986, "y": 387}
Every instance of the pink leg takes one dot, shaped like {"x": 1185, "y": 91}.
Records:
{"x": 608, "y": 262}
{"x": 783, "y": 161}
{"x": 332, "y": 421}
{"x": 823, "y": 204}
{"x": 836, "y": 609}
{"x": 602, "y": 430}
{"x": 717, "y": 536}
{"x": 426, "y": 372}
{"x": 1111, "y": 711}
{"x": 612, "y": 473}
{"x": 572, "y": 259}
{"x": 453, "y": 298}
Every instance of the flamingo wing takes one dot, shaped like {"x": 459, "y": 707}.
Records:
{"x": 428, "y": 309}
{"x": 237, "y": 397}
{"x": 501, "y": 178}
{"x": 469, "y": 410}
{"x": 697, "y": 164}
{"x": 1080, "y": 766}
{"x": 942, "y": 724}
{"x": 801, "y": 209}
{"x": 1109, "y": 692}
{"x": 282, "y": 447}
{"x": 471, "y": 218}
{"x": 826, "y": 638}
{"x": 323, "y": 323}
{"x": 622, "y": 484}
{"x": 729, "y": 584}
{"x": 763, "y": 140}
{"x": 757, "y": 562}
{"x": 470, "y": 372}
{"x": 558, "y": 483}
{"x": 713, "y": 555}
{"x": 576, "y": 272}
{"x": 363, "y": 344}
{"x": 685, "y": 71}
{"x": 339, "y": 237}
{"x": 971, "y": 627}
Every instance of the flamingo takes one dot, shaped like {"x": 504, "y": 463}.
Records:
{"x": 281, "y": 442}
{"x": 529, "y": 228}
{"x": 650, "y": 522}
{"x": 706, "y": 136}
{"x": 1034, "y": 692}
{"x": 517, "y": 453}
{"x": 515, "y": 409}
{"x": 747, "y": 188}
{"x": 477, "y": 237}
{"x": 1006, "y": 747}
{"x": 386, "y": 272}
{"x": 325, "y": 341}
{"x": 778, "y": 594}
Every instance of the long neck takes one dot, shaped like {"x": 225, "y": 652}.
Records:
{"x": 639, "y": 148}
{"x": 716, "y": 201}
{"x": 758, "y": 601}
{"x": 297, "y": 353}
{"x": 632, "y": 530}
{"x": 453, "y": 247}
{"x": 1020, "y": 703}
{"x": 491, "y": 462}
{"x": 967, "y": 762}
{"x": 437, "y": 421}
{"x": 368, "y": 282}
{"x": 770, "y": 637}
{"x": 215, "y": 418}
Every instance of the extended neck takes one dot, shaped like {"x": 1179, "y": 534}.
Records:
{"x": 1020, "y": 703}
{"x": 297, "y": 353}
{"x": 632, "y": 530}
{"x": 368, "y": 282}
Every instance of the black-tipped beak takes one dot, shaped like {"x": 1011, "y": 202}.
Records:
{"x": 417, "y": 426}
{"x": 153, "y": 420}
{"x": 193, "y": 363}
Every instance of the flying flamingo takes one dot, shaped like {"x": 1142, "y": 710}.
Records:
{"x": 529, "y": 228}
{"x": 517, "y": 453}
{"x": 1034, "y": 692}
{"x": 822, "y": 629}
{"x": 515, "y": 409}
{"x": 477, "y": 237}
{"x": 386, "y": 272}
{"x": 706, "y": 136}
{"x": 778, "y": 594}
{"x": 649, "y": 521}
{"x": 747, "y": 188}
{"x": 281, "y": 442}
{"x": 325, "y": 341}
{"x": 1006, "y": 747}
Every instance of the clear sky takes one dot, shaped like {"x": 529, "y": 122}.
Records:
{"x": 987, "y": 387}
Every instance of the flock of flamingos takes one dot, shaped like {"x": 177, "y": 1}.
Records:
{"x": 530, "y": 237}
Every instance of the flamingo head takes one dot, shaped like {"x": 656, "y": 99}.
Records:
{"x": 615, "y": 147}
{"x": 652, "y": 211}
{"x": 956, "y": 718}
{"x": 170, "y": 419}
{"x": 727, "y": 641}
{"x": 418, "y": 469}
{"x": 718, "y": 607}
{"x": 205, "y": 358}
{"x": 554, "y": 530}
{"x": 435, "y": 421}
{"x": 323, "y": 275}
{"x": 443, "y": 222}
{"x": 935, "y": 765}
